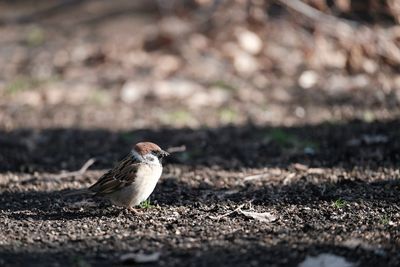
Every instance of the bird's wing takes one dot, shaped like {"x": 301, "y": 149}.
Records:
{"x": 120, "y": 176}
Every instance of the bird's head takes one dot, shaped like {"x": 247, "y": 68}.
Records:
{"x": 149, "y": 152}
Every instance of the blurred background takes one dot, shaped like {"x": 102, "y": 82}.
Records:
{"x": 197, "y": 63}
{"x": 122, "y": 67}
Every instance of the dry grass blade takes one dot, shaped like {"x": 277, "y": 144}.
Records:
{"x": 259, "y": 216}
{"x": 255, "y": 176}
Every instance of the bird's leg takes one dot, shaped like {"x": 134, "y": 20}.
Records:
{"x": 133, "y": 210}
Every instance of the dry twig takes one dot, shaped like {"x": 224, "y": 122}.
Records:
{"x": 176, "y": 149}
{"x": 81, "y": 171}
{"x": 227, "y": 214}
{"x": 42, "y": 13}
{"x": 351, "y": 33}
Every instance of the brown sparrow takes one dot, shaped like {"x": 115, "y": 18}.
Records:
{"x": 134, "y": 178}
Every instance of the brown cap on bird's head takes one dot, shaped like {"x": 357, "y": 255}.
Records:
{"x": 144, "y": 148}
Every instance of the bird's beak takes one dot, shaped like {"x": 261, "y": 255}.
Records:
{"x": 163, "y": 153}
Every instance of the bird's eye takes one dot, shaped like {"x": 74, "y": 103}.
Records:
{"x": 150, "y": 158}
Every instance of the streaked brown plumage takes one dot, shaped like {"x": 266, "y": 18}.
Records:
{"x": 120, "y": 176}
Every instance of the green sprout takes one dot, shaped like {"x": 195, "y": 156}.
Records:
{"x": 290, "y": 141}
{"x": 385, "y": 220}
{"x": 227, "y": 115}
{"x": 181, "y": 117}
{"x": 80, "y": 262}
{"x": 128, "y": 136}
{"x": 99, "y": 98}
{"x": 224, "y": 85}
{"x": 339, "y": 203}
{"x": 18, "y": 85}
{"x": 146, "y": 204}
{"x": 35, "y": 36}
{"x": 24, "y": 83}
{"x": 282, "y": 138}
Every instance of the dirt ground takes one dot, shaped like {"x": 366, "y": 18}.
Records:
{"x": 315, "y": 146}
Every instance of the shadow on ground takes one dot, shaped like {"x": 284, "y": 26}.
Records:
{"x": 366, "y": 145}
{"x": 355, "y": 197}
{"x": 172, "y": 193}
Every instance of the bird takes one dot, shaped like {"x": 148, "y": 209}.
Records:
{"x": 133, "y": 179}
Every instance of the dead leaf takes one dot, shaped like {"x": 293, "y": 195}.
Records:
{"x": 260, "y": 216}
{"x": 326, "y": 260}
{"x": 139, "y": 257}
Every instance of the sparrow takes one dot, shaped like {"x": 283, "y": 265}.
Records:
{"x": 133, "y": 179}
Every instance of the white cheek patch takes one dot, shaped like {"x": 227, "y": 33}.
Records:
{"x": 152, "y": 158}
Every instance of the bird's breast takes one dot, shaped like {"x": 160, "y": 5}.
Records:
{"x": 145, "y": 182}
